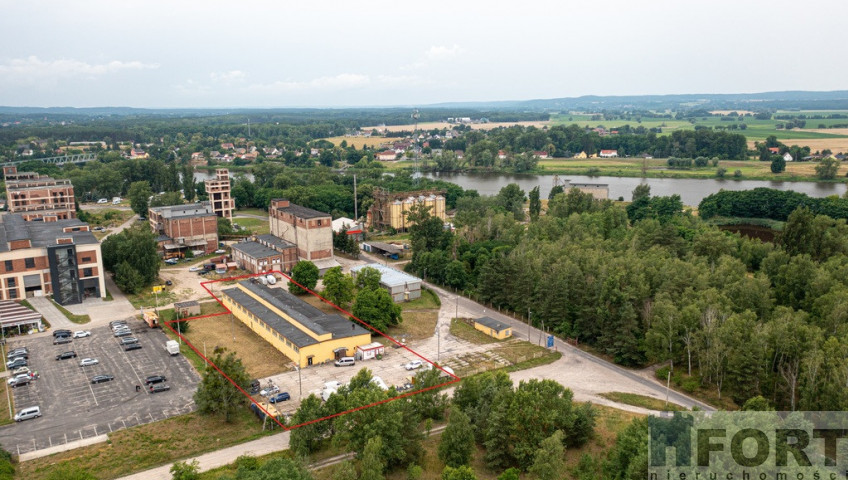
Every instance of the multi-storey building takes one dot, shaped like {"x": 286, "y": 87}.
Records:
{"x": 310, "y": 230}
{"x": 39, "y": 197}
{"x": 60, "y": 257}
{"x": 392, "y": 209}
{"x": 193, "y": 226}
{"x": 265, "y": 253}
{"x": 220, "y": 197}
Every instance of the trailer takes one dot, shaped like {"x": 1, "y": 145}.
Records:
{"x": 150, "y": 317}
{"x": 172, "y": 347}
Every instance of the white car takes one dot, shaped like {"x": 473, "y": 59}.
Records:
{"x": 220, "y": 250}
{"x": 269, "y": 390}
{"x": 82, "y": 333}
{"x": 103, "y": 200}
{"x": 88, "y": 362}
{"x": 21, "y": 371}
{"x": 413, "y": 365}
{"x": 196, "y": 268}
{"x": 14, "y": 379}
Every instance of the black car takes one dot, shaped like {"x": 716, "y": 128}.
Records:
{"x": 102, "y": 378}
{"x": 62, "y": 333}
{"x": 154, "y": 379}
{"x": 159, "y": 387}
{"x": 61, "y": 340}
{"x": 18, "y": 354}
{"x": 17, "y": 364}
{"x": 66, "y": 355}
{"x": 255, "y": 387}
{"x": 132, "y": 346}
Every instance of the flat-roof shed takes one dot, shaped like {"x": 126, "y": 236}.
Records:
{"x": 13, "y": 314}
{"x": 492, "y": 327}
{"x": 401, "y": 286}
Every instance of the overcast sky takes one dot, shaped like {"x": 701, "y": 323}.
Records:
{"x": 281, "y": 53}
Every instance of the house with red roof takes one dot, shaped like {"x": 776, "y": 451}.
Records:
{"x": 608, "y": 153}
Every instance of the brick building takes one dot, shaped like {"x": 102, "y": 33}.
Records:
{"x": 192, "y": 226}
{"x": 60, "y": 257}
{"x": 310, "y": 230}
{"x": 265, "y": 253}
{"x": 39, "y": 197}
{"x": 219, "y": 193}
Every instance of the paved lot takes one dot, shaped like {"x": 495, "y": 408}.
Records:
{"x": 73, "y": 408}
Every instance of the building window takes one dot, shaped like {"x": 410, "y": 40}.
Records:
{"x": 13, "y": 293}
{"x": 11, "y": 283}
{"x": 86, "y": 259}
{"x": 8, "y": 265}
{"x": 86, "y": 272}
{"x": 29, "y": 262}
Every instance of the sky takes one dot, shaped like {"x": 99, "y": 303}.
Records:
{"x": 328, "y": 53}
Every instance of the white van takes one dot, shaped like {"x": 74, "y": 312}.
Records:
{"x": 116, "y": 200}
{"x": 345, "y": 362}
{"x": 272, "y": 280}
{"x": 27, "y": 413}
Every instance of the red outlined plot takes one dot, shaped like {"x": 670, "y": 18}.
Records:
{"x": 453, "y": 377}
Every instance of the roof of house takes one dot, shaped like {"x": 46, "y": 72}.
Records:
{"x": 41, "y": 234}
{"x": 386, "y": 247}
{"x": 310, "y": 317}
{"x": 496, "y": 325}
{"x": 275, "y": 241}
{"x": 609, "y": 151}
{"x": 388, "y": 275}
{"x": 255, "y": 249}
{"x": 187, "y": 303}
{"x": 302, "y": 212}
{"x": 200, "y": 209}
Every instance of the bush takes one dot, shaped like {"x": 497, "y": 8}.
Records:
{"x": 737, "y": 174}
{"x": 662, "y": 373}
{"x": 720, "y": 172}
{"x": 689, "y": 385}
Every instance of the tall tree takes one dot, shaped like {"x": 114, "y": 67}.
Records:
{"x": 139, "y": 194}
{"x": 305, "y": 273}
{"x": 535, "y": 203}
{"x": 136, "y": 247}
{"x": 372, "y": 463}
{"x": 511, "y": 198}
{"x": 457, "y": 443}
{"x": 217, "y": 393}
{"x": 376, "y": 308}
{"x": 188, "y": 183}
{"x": 549, "y": 462}
{"x": 338, "y": 287}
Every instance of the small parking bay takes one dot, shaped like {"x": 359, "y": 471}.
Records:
{"x": 73, "y": 408}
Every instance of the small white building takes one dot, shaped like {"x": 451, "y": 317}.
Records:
{"x": 370, "y": 351}
{"x": 787, "y": 157}
{"x": 608, "y": 153}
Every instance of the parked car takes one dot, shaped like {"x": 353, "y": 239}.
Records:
{"x": 413, "y": 365}
{"x": 269, "y": 390}
{"x": 254, "y": 387}
{"x": 27, "y": 413}
{"x": 102, "y": 378}
{"x": 159, "y": 387}
{"x": 131, "y": 347}
{"x": 115, "y": 323}
{"x": 66, "y": 355}
{"x": 172, "y": 261}
{"x": 123, "y": 332}
{"x": 155, "y": 379}
{"x": 21, "y": 370}
{"x": 23, "y": 355}
{"x": 280, "y": 397}
{"x": 220, "y": 250}
{"x": 196, "y": 268}
{"x": 20, "y": 381}
{"x": 17, "y": 363}
{"x": 82, "y": 333}
{"x": 168, "y": 283}
{"x": 128, "y": 340}
{"x": 62, "y": 333}
{"x": 62, "y": 340}
{"x": 16, "y": 352}
{"x": 16, "y": 377}
{"x": 85, "y": 362}
{"x": 102, "y": 201}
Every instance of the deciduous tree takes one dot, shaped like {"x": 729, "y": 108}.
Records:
{"x": 217, "y": 394}
{"x": 305, "y": 273}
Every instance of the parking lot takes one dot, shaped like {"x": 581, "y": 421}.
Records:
{"x": 73, "y": 408}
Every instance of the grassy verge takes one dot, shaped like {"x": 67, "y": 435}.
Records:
{"x": 147, "y": 446}
{"x": 108, "y": 297}
{"x": 253, "y": 225}
{"x": 428, "y": 299}
{"x": 5, "y": 417}
{"x": 80, "y": 319}
{"x": 250, "y": 211}
{"x": 193, "y": 358}
{"x": 462, "y": 328}
{"x": 642, "y": 401}
{"x": 149, "y": 299}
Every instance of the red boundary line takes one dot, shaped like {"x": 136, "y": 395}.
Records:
{"x": 228, "y": 311}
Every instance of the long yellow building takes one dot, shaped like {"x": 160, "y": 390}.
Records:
{"x": 300, "y": 331}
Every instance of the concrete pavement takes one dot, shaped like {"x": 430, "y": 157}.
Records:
{"x": 54, "y": 317}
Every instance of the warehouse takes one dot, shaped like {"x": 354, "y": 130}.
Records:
{"x": 403, "y": 287}
{"x": 300, "y": 331}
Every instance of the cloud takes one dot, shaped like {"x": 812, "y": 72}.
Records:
{"x": 337, "y": 82}
{"x": 228, "y": 78}
{"x": 440, "y": 52}
{"x": 33, "y": 67}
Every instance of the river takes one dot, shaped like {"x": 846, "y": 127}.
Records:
{"x": 691, "y": 190}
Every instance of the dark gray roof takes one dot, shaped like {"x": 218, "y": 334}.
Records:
{"x": 386, "y": 247}
{"x": 40, "y": 234}
{"x": 254, "y": 249}
{"x": 278, "y": 323}
{"x": 497, "y": 325}
{"x": 187, "y": 303}
{"x": 199, "y": 209}
{"x": 302, "y": 212}
{"x": 163, "y": 238}
{"x": 275, "y": 241}
{"x": 308, "y": 316}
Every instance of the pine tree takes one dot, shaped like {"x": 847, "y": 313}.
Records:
{"x": 457, "y": 442}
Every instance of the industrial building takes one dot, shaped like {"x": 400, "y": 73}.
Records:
{"x": 303, "y": 333}
{"x": 192, "y": 226}
{"x": 401, "y": 286}
{"x": 39, "y": 197}
{"x": 310, "y": 230}
{"x": 219, "y": 191}
{"x": 60, "y": 257}
{"x": 493, "y": 328}
{"x": 392, "y": 209}
{"x": 265, "y": 253}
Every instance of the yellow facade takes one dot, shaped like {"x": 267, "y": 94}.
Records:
{"x": 500, "y": 335}
{"x": 581, "y": 155}
{"x": 320, "y": 352}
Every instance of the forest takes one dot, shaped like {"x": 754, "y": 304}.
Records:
{"x": 653, "y": 284}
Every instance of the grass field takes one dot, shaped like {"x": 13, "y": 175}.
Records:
{"x": 260, "y": 359}
{"x": 255, "y": 225}
{"x": 643, "y": 402}
{"x": 146, "y": 446}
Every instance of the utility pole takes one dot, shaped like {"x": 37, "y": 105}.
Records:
{"x": 528, "y": 324}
